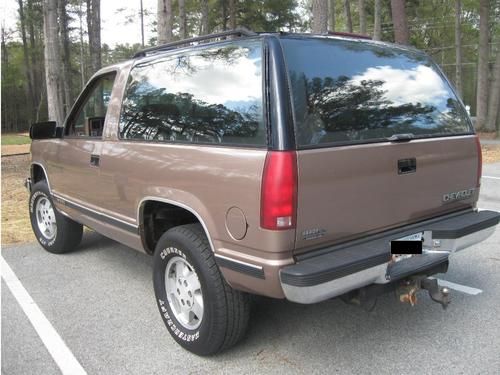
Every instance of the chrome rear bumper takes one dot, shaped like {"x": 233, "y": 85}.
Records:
{"x": 332, "y": 273}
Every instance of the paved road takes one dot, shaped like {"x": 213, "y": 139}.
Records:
{"x": 100, "y": 301}
{"x": 495, "y": 141}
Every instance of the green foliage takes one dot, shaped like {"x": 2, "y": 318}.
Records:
{"x": 431, "y": 24}
{"x": 14, "y": 139}
{"x": 432, "y": 29}
{"x": 14, "y": 114}
{"x": 257, "y": 15}
{"x": 268, "y": 15}
{"x": 121, "y": 52}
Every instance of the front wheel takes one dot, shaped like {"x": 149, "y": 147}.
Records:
{"x": 201, "y": 311}
{"x": 56, "y": 233}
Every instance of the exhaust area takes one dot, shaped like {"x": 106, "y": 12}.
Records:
{"x": 407, "y": 292}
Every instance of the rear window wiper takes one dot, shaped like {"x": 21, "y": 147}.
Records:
{"x": 406, "y": 137}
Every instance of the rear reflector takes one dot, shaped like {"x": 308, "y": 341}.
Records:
{"x": 278, "y": 205}
{"x": 479, "y": 162}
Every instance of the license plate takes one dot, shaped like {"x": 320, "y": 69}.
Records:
{"x": 412, "y": 237}
{"x": 406, "y": 247}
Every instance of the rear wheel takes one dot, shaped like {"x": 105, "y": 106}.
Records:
{"x": 201, "y": 311}
{"x": 56, "y": 233}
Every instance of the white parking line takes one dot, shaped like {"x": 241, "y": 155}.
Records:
{"x": 61, "y": 354}
{"x": 460, "y": 288}
{"x": 492, "y": 177}
{"x": 485, "y": 209}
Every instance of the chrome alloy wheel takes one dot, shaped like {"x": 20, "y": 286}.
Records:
{"x": 46, "y": 218}
{"x": 184, "y": 292}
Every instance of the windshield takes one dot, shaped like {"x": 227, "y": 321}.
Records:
{"x": 355, "y": 92}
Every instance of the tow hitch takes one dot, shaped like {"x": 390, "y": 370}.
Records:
{"x": 407, "y": 292}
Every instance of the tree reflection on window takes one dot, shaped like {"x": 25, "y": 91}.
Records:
{"x": 353, "y": 92}
{"x": 207, "y": 96}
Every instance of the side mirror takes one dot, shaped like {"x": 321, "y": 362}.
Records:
{"x": 45, "y": 130}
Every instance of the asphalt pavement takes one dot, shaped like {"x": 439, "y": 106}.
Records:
{"x": 100, "y": 301}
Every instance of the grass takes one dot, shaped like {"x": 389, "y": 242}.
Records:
{"x": 16, "y": 226}
{"x": 15, "y": 139}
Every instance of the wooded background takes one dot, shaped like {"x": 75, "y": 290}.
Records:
{"x": 56, "y": 44}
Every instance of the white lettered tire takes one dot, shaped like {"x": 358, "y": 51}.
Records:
{"x": 56, "y": 233}
{"x": 200, "y": 310}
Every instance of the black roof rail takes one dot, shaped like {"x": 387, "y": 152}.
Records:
{"x": 239, "y": 32}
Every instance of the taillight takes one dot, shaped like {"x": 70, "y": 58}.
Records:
{"x": 479, "y": 162}
{"x": 278, "y": 205}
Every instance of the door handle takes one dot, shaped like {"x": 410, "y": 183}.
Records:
{"x": 94, "y": 160}
{"x": 407, "y": 166}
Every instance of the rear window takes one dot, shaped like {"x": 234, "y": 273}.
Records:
{"x": 355, "y": 92}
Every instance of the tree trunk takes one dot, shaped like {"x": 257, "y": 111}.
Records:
{"x": 5, "y": 63}
{"x": 232, "y": 14}
{"x": 362, "y": 17}
{"x": 82, "y": 59}
{"x": 164, "y": 19}
{"x": 52, "y": 61}
{"x": 5, "y": 55}
{"x": 482, "y": 66}
{"x": 204, "y": 17}
{"x": 36, "y": 67}
{"x": 347, "y": 16}
{"x": 5, "y": 108}
{"x": 493, "y": 119}
{"x": 182, "y": 19}
{"x": 142, "y": 25}
{"x": 40, "y": 101}
{"x": 401, "y": 33}
{"x": 224, "y": 15}
{"x": 331, "y": 10}
{"x": 458, "y": 47}
{"x": 94, "y": 30}
{"x": 319, "y": 16}
{"x": 377, "y": 21}
{"x": 65, "y": 56}
{"x": 29, "y": 73}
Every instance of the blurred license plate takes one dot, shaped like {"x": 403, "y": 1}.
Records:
{"x": 406, "y": 247}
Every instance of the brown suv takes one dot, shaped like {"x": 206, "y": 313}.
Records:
{"x": 292, "y": 166}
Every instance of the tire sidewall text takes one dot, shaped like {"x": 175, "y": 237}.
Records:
{"x": 179, "y": 332}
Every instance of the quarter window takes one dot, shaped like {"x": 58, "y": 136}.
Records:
{"x": 213, "y": 95}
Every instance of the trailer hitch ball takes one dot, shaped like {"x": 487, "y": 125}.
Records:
{"x": 437, "y": 294}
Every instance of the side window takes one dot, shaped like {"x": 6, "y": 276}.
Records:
{"x": 212, "y": 95}
{"x": 88, "y": 120}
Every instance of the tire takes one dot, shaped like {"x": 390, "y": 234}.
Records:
{"x": 56, "y": 233}
{"x": 225, "y": 311}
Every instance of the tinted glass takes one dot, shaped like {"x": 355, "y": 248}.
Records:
{"x": 212, "y": 95}
{"x": 349, "y": 91}
{"x": 89, "y": 120}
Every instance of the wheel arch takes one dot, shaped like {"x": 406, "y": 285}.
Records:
{"x": 39, "y": 173}
{"x": 148, "y": 237}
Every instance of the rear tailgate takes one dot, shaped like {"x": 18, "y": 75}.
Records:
{"x": 382, "y": 139}
{"x": 348, "y": 191}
